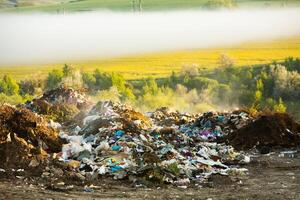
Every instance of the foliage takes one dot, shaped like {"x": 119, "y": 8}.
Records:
{"x": 13, "y": 99}
{"x": 107, "y": 95}
{"x": 9, "y": 86}
{"x": 270, "y": 86}
{"x": 225, "y": 61}
{"x": 89, "y": 81}
{"x": 68, "y": 70}
{"x": 54, "y": 79}
{"x": 280, "y": 106}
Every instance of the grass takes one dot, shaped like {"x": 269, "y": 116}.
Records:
{"x": 162, "y": 64}
{"x": 126, "y": 5}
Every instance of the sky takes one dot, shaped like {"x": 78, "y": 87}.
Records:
{"x": 39, "y": 38}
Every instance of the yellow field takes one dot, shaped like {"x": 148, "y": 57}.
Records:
{"x": 162, "y": 64}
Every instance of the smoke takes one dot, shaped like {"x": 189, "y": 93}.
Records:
{"x": 49, "y": 38}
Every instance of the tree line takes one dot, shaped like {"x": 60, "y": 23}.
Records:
{"x": 275, "y": 87}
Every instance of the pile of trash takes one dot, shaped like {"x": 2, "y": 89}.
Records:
{"x": 211, "y": 126}
{"x": 62, "y": 104}
{"x": 165, "y": 117}
{"x": 121, "y": 142}
{"x": 113, "y": 139}
{"x": 272, "y": 130}
{"x": 25, "y": 138}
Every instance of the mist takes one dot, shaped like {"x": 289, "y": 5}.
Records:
{"x": 55, "y": 38}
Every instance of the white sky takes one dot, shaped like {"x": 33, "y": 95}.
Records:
{"x": 48, "y": 38}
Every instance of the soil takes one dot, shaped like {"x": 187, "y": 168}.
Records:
{"x": 273, "y": 130}
{"x": 270, "y": 177}
{"x": 25, "y": 137}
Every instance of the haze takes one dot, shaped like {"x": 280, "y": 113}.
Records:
{"x": 47, "y": 38}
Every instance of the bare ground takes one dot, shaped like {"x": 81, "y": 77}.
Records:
{"x": 270, "y": 177}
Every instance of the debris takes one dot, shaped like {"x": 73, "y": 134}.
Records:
{"x": 34, "y": 163}
{"x": 288, "y": 154}
{"x": 113, "y": 139}
{"x": 88, "y": 189}
{"x": 117, "y": 141}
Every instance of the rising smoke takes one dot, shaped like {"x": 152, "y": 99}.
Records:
{"x": 48, "y": 38}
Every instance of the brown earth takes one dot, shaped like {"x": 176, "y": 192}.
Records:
{"x": 270, "y": 177}
{"x": 63, "y": 104}
{"x": 275, "y": 130}
{"x": 25, "y": 136}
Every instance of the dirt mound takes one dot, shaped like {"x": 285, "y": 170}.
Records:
{"x": 25, "y": 136}
{"x": 65, "y": 95}
{"x": 278, "y": 129}
{"x": 62, "y": 104}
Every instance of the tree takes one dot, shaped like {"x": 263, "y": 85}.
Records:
{"x": 108, "y": 95}
{"x": 286, "y": 83}
{"x": 191, "y": 70}
{"x": 151, "y": 87}
{"x": 172, "y": 80}
{"x": 28, "y": 86}
{"x": 54, "y": 79}
{"x": 103, "y": 80}
{"x": 124, "y": 88}
{"x": 9, "y": 86}
{"x": 89, "y": 81}
{"x": 118, "y": 81}
{"x": 280, "y": 106}
{"x": 3, "y": 87}
{"x": 225, "y": 61}
{"x": 201, "y": 83}
{"x": 213, "y": 4}
{"x": 270, "y": 103}
{"x": 68, "y": 70}
{"x": 259, "y": 85}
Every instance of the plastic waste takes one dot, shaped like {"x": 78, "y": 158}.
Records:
{"x": 174, "y": 148}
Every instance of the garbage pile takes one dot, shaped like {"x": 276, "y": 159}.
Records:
{"x": 62, "y": 104}
{"x": 213, "y": 125}
{"x": 121, "y": 142}
{"x": 25, "y": 138}
{"x": 113, "y": 139}
{"x": 165, "y": 117}
{"x": 273, "y": 130}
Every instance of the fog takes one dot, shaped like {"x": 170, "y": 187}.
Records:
{"x": 53, "y": 38}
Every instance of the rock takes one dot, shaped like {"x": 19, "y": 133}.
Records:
{"x": 57, "y": 172}
{"x": 34, "y": 163}
{"x": 73, "y": 164}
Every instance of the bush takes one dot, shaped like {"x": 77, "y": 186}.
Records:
{"x": 9, "y": 86}
{"x": 54, "y": 79}
{"x": 13, "y": 99}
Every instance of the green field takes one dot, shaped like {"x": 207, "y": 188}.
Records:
{"x": 127, "y": 5}
{"x": 162, "y": 64}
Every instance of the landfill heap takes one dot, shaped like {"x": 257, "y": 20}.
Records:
{"x": 112, "y": 139}
{"x": 62, "y": 104}
{"x": 25, "y": 138}
{"x": 213, "y": 125}
{"x": 121, "y": 142}
{"x": 165, "y": 117}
